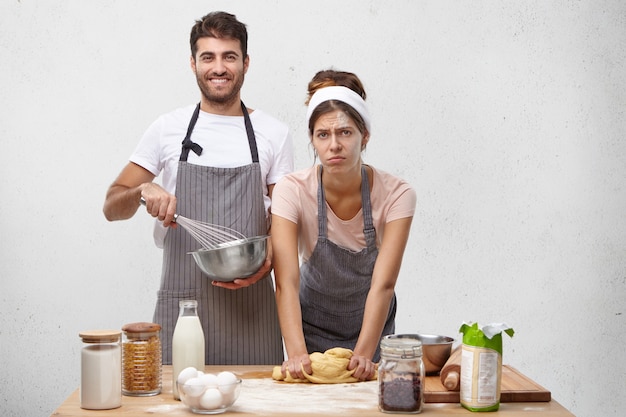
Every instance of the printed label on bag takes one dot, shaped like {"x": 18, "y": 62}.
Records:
{"x": 480, "y": 377}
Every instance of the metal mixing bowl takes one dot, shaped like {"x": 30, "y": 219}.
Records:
{"x": 236, "y": 259}
{"x": 435, "y": 350}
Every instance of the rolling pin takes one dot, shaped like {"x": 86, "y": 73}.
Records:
{"x": 450, "y": 374}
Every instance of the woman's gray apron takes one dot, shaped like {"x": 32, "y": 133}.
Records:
{"x": 240, "y": 326}
{"x": 335, "y": 281}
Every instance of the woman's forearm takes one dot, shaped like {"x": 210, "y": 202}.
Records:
{"x": 384, "y": 277}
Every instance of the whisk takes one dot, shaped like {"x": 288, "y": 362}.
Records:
{"x": 208, "y": 235}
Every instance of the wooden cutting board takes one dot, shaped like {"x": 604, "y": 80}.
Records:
{"x": 515, "y": 388}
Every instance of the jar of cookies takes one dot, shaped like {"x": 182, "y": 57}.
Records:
{"x": 141, "y": 359}
{"x": 400, "y": 375}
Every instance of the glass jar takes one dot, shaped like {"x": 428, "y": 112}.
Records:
{"x": 400, "y": 375}
{"x": 100, "y": 370}
{"x": 141, "y": 359}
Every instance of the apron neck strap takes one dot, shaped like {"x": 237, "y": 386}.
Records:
{"x": 254, "y": 152}
{"x": 187, "y": 143}
{"x": 197, "y": 149}
{"x": 366, "y": 205}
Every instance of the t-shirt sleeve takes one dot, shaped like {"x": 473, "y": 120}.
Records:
{"x": 147, "y": 152}
{"x": 285, "y": 199}
{"x": 405, "y": 200}
{"x": 283, "y": 161}
{"x": 394, "y": 196}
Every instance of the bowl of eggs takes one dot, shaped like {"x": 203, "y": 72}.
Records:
{"x": 208, "y": 393}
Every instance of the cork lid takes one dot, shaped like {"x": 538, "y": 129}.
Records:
{"x": 100, "y": 336}
{"x": 141, "y": 327}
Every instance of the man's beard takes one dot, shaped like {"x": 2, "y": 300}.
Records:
{"x": 225, "y": 98}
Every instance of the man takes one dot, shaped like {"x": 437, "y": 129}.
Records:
{"x": 219, "y": 163}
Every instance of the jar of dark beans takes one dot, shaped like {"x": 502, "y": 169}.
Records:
{"x": 400, "y": 375}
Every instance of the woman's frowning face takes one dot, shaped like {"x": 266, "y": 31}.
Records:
{"x": 338, "y": 141}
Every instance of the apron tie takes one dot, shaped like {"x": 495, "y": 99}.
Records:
{"x": 197, "y": 149}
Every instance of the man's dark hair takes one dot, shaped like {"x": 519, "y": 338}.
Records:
{"x": 219, "y": 25}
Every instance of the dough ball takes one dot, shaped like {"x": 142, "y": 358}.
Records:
{"x": 330, "y": 367}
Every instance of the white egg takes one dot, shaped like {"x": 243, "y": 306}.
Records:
{"x": 194, "y": 387}
{"x": 226, "y": 377}
{"x": 229, "y": 397}
{"x": 193, "y": 402}
{"x": 210, "y": 380}
{"x": 186, "y": 374}
{"x": 226, "y": 381}
{"x": 211, "y": 399}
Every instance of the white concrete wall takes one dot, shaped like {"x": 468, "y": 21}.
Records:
{"x": 508, "y": 117}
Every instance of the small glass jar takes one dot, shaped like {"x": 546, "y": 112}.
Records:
{"x": 400, "y": 375}
{"x": 141, "y": 359}
{"x": 100, "y": 370}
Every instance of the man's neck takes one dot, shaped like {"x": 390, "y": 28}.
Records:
{"x": 232, "y": 108}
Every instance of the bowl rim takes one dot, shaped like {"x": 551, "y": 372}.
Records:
{"x": 229, "y": 244}
{"x": 447, "y": 340}
{"x": 224, "y": 406}
{"x": 237, "y": 382}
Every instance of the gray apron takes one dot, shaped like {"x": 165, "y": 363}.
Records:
{"x": 335, "y": 281}
{"x": 240, "y": 326}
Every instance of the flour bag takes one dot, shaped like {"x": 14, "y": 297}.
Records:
{"x": 481, "y": 365}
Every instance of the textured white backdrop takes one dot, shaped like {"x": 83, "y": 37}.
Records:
{"x": 507, "y": 117}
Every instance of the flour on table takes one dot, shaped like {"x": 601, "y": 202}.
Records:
{"x": 268, "y": 397}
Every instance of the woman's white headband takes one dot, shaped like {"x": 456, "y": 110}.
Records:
{"x": 343, "y": 94}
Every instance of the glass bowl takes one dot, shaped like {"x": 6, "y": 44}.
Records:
{"x": 209, "y": 399}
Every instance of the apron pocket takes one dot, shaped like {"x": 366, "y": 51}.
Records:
{"x": 169, "y": 296}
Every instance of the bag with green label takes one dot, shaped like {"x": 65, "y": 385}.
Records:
{"x": 481, "y": 365}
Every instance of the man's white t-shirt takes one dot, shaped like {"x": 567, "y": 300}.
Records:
{"x": 225, "y": 145}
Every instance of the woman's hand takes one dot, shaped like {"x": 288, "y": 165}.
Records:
{"x": 364, "y": 368}
{"x": 295, "y": 364}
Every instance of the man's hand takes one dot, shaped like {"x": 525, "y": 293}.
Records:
{"x": 246, "y": 282}
{"x": 159, "y": 203}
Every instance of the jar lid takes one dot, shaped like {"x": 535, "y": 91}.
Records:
{"x": 100, "y": 336}
{"x": 141, "y": 327}
{"x": 404, "y": 346}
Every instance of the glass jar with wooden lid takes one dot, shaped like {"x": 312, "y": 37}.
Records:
{"x": 100, "y": 370}
{"x": 141, "y": 359}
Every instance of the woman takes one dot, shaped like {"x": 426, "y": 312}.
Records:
{"x": 349, "y": 224}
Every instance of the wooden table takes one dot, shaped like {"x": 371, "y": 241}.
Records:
{"x": 262, "y": 396}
